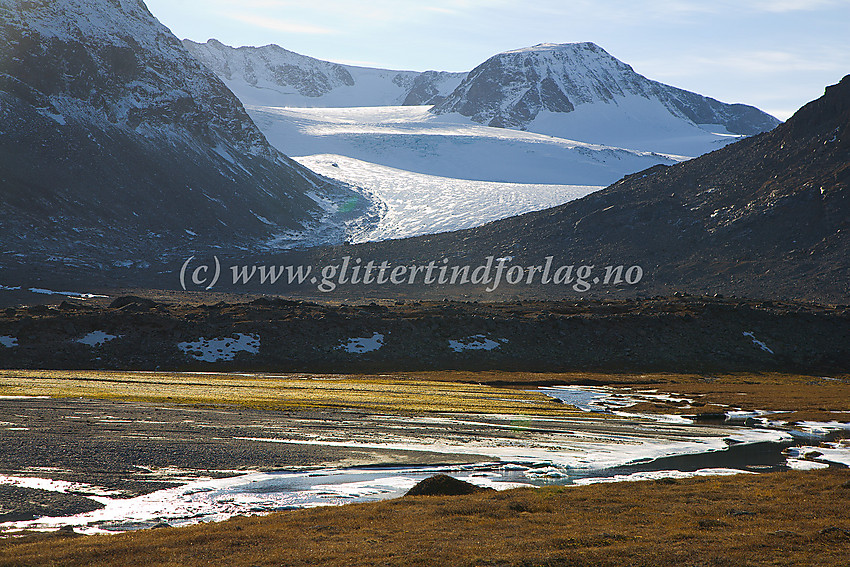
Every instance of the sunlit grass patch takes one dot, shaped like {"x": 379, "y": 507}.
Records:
{"x": 797, "y": 396}
{"x": 788, "y": 519}
{"x": 372, "y": 394}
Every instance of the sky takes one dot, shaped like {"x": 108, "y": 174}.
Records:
{"x": 773, "y": 54}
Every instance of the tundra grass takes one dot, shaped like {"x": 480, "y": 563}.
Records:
{"x": 372, "y": 394}
{"x": 797, "y": 519}
{"x": 794, "y": 396}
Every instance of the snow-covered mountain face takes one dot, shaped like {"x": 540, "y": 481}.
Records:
{"x": 273, "y": 76}
{"x": 579, "y": 91}
{"x": 117, "y": 145}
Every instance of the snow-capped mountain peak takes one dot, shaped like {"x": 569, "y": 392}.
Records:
{"x": 516, "y": 88}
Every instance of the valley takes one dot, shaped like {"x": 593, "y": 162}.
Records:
{"x": 256, "y": 305}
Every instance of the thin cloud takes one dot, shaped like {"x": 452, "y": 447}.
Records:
{"x": 276, "y": 24}
{"x": 368, "y": 14}
{"x": 356, "y": 63}
{"x": 745, "y": 63}
{"x": 765, "y": 62}
{"x": 781, "y": 6}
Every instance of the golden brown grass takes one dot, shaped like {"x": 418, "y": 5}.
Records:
{"x": 813, "y": 397}
{"x": 370, "y": 393}
{"x": 799, "y": 397}
{"x": 789, "y": 519}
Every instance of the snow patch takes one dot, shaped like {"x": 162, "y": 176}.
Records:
{"x": 819, "y": 428}
{"x": 475, "y": 342}
{"x": 655, "y": 475}
{"x": 61, "y": 486}
{"x": 837, "y": 452}
{"x": 97, "y": 338}
{"x": 75, "y": 294}
{"x": 58, "y": 118}
{"x": 360, "y": 345}
{"x": 546, "y": 472}
{"x": 262, "y": 219}
{"x": 804, "y": 465}
{"x": 214, "y": 350}
{"x": 757, "y": 342}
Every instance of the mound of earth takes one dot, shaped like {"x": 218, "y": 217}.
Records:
{"x": 444, "y": 485}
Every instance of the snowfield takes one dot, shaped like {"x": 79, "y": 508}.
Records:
{"x": 413, "y": 139}
{"x": 634, "y": 122}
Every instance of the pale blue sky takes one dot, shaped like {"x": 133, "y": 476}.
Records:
{"x": 774, "y": 54}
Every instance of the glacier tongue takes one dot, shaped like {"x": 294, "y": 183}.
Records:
{"x": 415, "y": 204}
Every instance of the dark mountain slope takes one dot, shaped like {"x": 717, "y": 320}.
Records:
{"x": 116, "y": 145}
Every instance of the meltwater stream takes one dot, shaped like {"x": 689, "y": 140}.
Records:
{"x": 604, "y": 444}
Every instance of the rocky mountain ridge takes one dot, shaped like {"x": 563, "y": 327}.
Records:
{"x": 273, "y": 76}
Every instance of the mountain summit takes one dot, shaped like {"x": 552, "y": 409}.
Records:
{"x": 117, "y": 145}
{"x": 578, "y": 90}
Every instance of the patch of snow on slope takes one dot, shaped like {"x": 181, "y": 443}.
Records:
{"x": 360, "y": 345}
{"x": 214, "y": 350}
{"x": 475, "y": 342}
{"x": 415, "y": 204}
{"x": 97, "y": 338}
{"x": 757, "y": 342}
